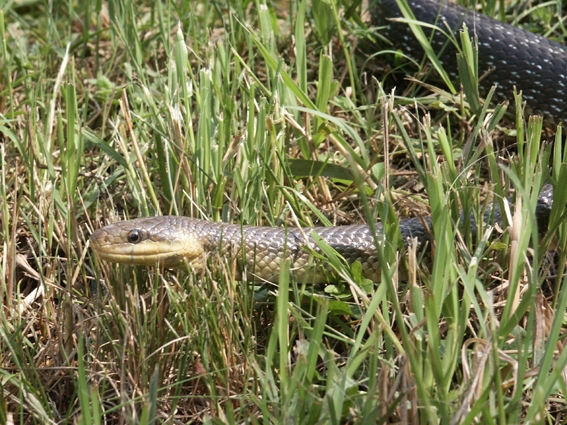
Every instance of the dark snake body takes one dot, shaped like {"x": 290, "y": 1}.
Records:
{"x": 534, "y": 65}
{"x": 174, "y": 241}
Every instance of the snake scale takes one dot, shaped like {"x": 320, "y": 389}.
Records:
{"x": 517, "y": 58}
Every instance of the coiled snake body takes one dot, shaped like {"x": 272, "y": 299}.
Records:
{"x": 173, "y": 241}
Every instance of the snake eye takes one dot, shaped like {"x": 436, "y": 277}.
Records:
{"x": 134, "y": 236}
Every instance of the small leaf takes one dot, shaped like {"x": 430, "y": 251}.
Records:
{"x": 308, "y": 168}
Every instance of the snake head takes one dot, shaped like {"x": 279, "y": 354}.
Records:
{"x": 149, "y": 241}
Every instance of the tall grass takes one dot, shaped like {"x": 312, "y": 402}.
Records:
{"x": 267, "y": 114}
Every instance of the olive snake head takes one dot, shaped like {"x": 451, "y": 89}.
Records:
{"x": 149, "y": 241}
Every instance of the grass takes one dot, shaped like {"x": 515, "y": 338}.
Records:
{"x": 269, "y": 115}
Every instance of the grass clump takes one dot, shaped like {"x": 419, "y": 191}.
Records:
{"x": 253, "y": 113}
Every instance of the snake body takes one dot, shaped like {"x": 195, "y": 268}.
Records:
{"x": 535, "y": 66}
{"x": 507, "y": 56}
{"x": 175, "y": 241}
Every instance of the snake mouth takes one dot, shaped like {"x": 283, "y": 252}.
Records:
{"x": 167, "y": 260}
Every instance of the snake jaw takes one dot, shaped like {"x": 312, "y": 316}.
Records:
{"x": 132, "y": 243}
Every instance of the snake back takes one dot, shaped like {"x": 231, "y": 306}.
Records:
{"x": 510, "y": 56}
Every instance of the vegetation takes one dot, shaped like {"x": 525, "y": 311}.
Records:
{"x": 267, "y": 114}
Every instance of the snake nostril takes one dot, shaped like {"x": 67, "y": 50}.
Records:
{"x": 134, "y": 236}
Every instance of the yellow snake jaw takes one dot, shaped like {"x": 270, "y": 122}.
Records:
{"x": 152, "y": 246}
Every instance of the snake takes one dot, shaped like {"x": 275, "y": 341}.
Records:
{"x": 516, "y": 58}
